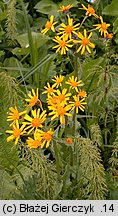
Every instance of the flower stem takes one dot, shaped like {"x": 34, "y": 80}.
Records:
{"x": 57, "y": 158}
{"x": 76, "y": 65}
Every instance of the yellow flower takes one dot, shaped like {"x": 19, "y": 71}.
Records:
{"x": 36, "y": 142}
{"x": 60, "y": 111}
{"x": 78, "y": 104}
{"x": 68, "y": 29}
{"x": 46, "y": 137}
{"x": 16, "y": 132}
{"x": 90, "y": 11}
{"x": 33, "y": 98}
{"x": 102, "y": 27}
{"x": 63, "y": 44}
{"x": 14, "y": 115}
{"x": 49, "y": 25}
{"x": 74, "y": 84}
{"x": 49, "y": 90}
{"x": 58, "y": 80}
{"x": 82, "y": 93}
{"x": 65, "y": 8}
{"x": 85, "y": 42}
{"x": 52, "y": 100}
{"x": 36, "y": 121}
{"x": 62, "y": 96}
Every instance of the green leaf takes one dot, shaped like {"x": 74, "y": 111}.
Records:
{"x": 38, "y": 38}
{"x": 12, "y": 62}
{"x": 2, "y": 53}
{"x": 37, "y": 66}
{"x": 116, "y": 39}
{"x": 67, "y": 2}
{"x": 115, "y": 26}
{"x": 47, "y": 7}
{"x": 112, "y": 9}
{"x": 7, "y": 186}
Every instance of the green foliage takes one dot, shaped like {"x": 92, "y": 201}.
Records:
{"x": 8, "y": 90}
{"x": 11, "y": 22}
{"x": 47, "y": 7}
{"x": 80, "y": 170}
{"x": 111, "y": 9}
{"x": 92, "y": 181}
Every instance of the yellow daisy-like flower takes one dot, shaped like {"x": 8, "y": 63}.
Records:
{"x": 74, "y": 84}
{"x": 90, "y": 11}
{"x": 46, "y": 137}
{"x": 78, "y": 104}
{"x": 52, "y": 100}
{"x": 58, "y": 80}
{"x": 36, "y": 121}
{"x": 60, "y": 111}
{"x": 49, "y": 89}
{"x": 102, "y": 27}
{"x": 82, "y": 93}
{"x": 16, "y": 132}
{"x": 63, "y": 96}
{"x": 36, "y": 142}
{"x": 65, "y": 9}
{"x": 33, "y": 98}
{"x": 68, "y": 29}
{"x": 63, "y": 44}
{"x": 49, "y": 25}
{"x": 14, "y": 115}
{"x": 85, "y": 42}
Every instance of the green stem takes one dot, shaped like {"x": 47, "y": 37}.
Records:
{"x": 73, "y": 132}
{"x": 57, "y": 158}
{"x": 76, "y": 65}
{"x": 83, "y": 21}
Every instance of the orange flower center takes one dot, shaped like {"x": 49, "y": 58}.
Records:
{"x": 50, "y": 90}
{"x": 91, "y": 10}
{"x": 47, "y": 136}
{"x": 85, "y": 41}
{"x": 58, "y": 81}
{"x": 69, "y": 140}
{"x": 48, "y": 25}
{"x": 36, "y": 143}
{"x": 54, "y": 100}
{"x": 74, "y": 83}
{"x": 36, "y": 122}
{"x": 62, "y": 43}
{"x": 33, "y": 100}
{"x": 104, "y": 26}
{"x": 61, "y": 110}
{"x": 17, "y": 132}
{"x": 15, "y": 115}
{"x": 77, "y": 104}
{"x": 61, "y": 97}
{"x": 68, "y": 29}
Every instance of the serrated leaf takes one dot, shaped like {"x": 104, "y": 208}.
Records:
{"x": 112, "y": 9}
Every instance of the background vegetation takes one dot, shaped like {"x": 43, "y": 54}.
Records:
{"x": 27, "y": 61}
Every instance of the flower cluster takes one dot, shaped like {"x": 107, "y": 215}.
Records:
{"x": 33, "y": 122}
{"x": 67, "y": 35}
